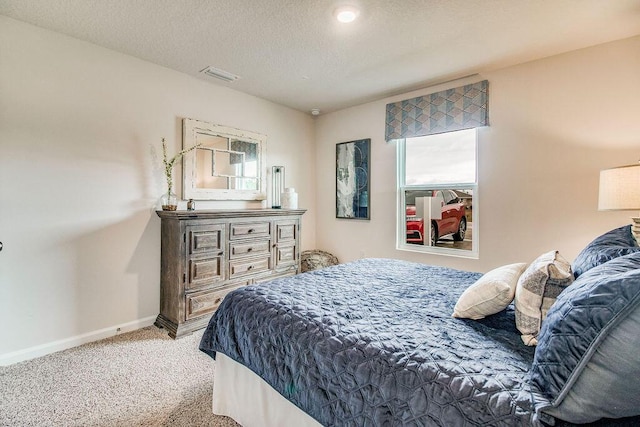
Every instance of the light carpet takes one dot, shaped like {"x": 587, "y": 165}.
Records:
{"x": 141, "y": 378}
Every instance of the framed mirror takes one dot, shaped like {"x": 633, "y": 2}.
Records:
{"x": 229, "y": 163}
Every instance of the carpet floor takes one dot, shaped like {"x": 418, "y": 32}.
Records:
{"x": 140, "y": 378}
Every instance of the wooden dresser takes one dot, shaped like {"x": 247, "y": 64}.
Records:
{"x": 206, "y": 254}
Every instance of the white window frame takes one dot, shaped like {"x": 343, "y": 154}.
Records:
{"x": 401, "y": 224}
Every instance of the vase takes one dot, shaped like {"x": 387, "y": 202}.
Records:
{"x": 289, "y": 198}
{"x": 169, "y": 201}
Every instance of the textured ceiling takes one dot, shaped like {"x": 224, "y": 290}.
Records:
{"x": 293, "y": 52}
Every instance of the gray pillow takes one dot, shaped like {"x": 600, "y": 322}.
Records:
{"x": 609, "y": 386}
{"x": 587, "y": 360}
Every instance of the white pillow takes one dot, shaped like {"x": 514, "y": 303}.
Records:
{"x": 490, "y": 294}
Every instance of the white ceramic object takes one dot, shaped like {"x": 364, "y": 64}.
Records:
{"x": 289, "y": 198}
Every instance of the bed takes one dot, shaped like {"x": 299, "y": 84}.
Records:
{"x": 373, "y": 342}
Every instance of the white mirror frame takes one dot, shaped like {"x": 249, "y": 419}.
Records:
{"x": 190, "y": 129}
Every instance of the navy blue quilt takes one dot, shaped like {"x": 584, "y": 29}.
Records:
{"x": 373, "y": 343}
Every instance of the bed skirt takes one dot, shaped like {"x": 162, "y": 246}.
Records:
{"x": 242, "y": 395}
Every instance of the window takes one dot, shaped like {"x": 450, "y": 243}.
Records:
{"x": 437, "y": 193}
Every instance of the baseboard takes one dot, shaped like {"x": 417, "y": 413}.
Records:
{"x": 52, "y": 347}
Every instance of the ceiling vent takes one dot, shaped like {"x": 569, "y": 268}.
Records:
{"x": 220, "y": 74}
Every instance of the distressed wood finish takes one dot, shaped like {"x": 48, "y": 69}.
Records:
{"x": 207, "y": 254}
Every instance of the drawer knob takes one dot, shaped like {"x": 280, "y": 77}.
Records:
{"x": 249, "y": 249}
{"x": 250, "y": 267}
{"x": 250, "y": 230}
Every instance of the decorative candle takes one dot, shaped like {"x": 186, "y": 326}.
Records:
{"x": 277, "y": 186}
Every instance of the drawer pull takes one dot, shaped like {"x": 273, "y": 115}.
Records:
{"x": 250, "y": 267}
{"x": 250, "y": 230}
{"x": 249, "y": 249}
{"x": 217, "y": 301}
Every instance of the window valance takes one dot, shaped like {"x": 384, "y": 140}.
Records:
{"x": 464, "y": 107}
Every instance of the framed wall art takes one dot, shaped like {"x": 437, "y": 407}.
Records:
{"x": 353, "y": 199}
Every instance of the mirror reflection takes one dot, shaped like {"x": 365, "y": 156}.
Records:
{"x": 226, "y": 163}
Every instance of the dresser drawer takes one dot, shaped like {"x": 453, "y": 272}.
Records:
{"x": 241, "y": 230}
{"x": 205, "y": 302}
{"x": 257, "y": 247}
{"x": 205, "y": 272}
{"x": 241, "y": 267}
{"x": 205, "y": 239}
{"x": 286, "y": 231}
{"x": 286, "y": 254}
{"x": 291, "y": 270}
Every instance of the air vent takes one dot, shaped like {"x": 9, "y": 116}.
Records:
{"x": 220, "y": 74}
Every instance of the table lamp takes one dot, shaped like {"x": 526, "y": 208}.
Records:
{"x": 620, "y": 190}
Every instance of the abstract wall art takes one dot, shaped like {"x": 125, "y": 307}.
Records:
{"x": 353, "y": 199}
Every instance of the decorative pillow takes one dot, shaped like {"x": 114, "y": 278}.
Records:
{"x": 610, "y": 245}
{"x": 537, "y": 290}
{"x": 490, "y": 294}
{"x": 586, "y": 363}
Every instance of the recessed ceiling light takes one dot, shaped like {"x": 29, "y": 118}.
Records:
{"x": 346, "y": 14}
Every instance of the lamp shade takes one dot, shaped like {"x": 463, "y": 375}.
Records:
{"x": 620, "y": 188}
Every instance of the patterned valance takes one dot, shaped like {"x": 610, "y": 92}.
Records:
{"x": 464, "y": 107}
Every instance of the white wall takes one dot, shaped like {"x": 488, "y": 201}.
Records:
{"x": 80, "y": 132}
{"x": 554, "y": 124}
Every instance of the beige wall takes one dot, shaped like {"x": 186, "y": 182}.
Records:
{"x": 80, "y": 131}
{"x": 554, "y": 124}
